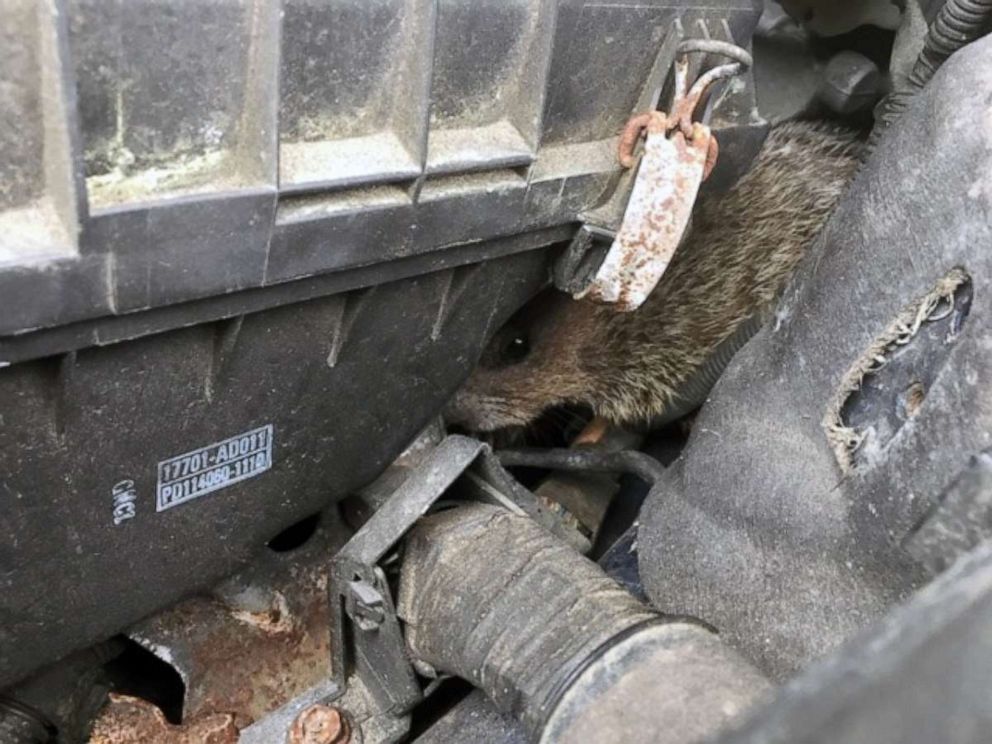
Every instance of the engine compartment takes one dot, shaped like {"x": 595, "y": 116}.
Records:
{"x": 232, "y": 512}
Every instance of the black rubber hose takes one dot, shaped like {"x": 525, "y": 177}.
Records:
{"x": 491, "y": 597}
{"x": 957, "y": 24}
{"x": 20, "y": 724}
{"x": 636, "y": 463}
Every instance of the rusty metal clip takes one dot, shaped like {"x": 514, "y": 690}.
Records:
{"x": 679, "y": 154}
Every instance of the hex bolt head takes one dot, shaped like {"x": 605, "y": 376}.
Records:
{"x": 851, "y": 82}
{"x": 319, "y": 724}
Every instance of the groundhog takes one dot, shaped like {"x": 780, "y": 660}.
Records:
{"x": 656, "y": 362}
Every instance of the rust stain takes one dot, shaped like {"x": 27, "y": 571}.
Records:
{"x": 678, "y": 155}
{"x": 712, "y": 153}
{"x": 659, "y": 207}
{"x": 319, "y": 724}
{"x": 649, "y": 120}
{"x": 248, "y": 663}
{"x": 276, "y": 620}
{"x": 129, "y": 720}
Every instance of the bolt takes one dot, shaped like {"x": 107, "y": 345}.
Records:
{"x": 851, "y": 83}
{"x": 319, "y": 724}
{"x": 365, "y": 606}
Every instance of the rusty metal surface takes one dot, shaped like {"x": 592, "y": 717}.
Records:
{"x": 129, "y": 720}
{"x": 319, "y": 724}
{"x": 657, "y": 215}
{"x": 679, "y": 154}
{"x": 246, "y": 663}
{"x": 262, "y": 641}
{"x": 366, "y": 722}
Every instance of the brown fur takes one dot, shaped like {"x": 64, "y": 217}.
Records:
{"x": 742, "y": 248}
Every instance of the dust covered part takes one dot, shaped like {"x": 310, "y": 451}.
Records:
{"x": 129, "y": 720}
{"x": 797, "y": 556}
{"x": 657, "y": 215}
{"x": 843, "y": 461}
{"x": 937, "y": 304}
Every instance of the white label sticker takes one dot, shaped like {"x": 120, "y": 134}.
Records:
{"x": 125, "y": 499}
{"x": 188, "y": 476}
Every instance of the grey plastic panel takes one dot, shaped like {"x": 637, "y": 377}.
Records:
{"x": 38, "y": 196}
{"x": 175, "y": 98}
{"x": 225, "y": 145}
{"x": 178, "y": 111}
{"x": 487, "y": 92}
{"x": 354, "y": 98}
{"x": 226, "y": 193}
{"x": 584, "y": 104}
{"x": 344, "y": 381}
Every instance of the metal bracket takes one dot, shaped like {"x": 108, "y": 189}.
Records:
{"x": 647, "y": 214}
{"x": 366, "y": 637}
{"x": 575, "y": 268}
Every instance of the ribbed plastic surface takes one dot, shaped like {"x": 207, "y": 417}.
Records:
{"x": 158, "y": 151}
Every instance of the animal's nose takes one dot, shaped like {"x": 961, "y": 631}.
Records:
{"x": 457, "y": 415}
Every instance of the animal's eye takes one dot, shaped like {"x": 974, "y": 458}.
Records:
{"x": 515, "y": 348}
{"x": 509, "y": 346}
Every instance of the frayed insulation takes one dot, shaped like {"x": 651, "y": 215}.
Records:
{"x": 845, "y": 440}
